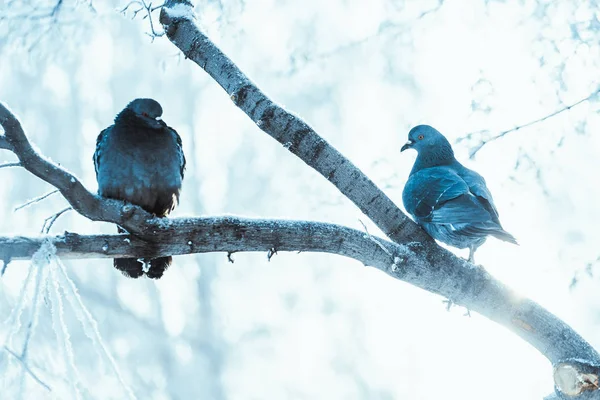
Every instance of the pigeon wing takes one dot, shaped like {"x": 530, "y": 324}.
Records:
{"x": 438, "y": 195}
{"x": 100, "y": 147}
{"x": 180, "y": 150}
{"x": 478, "y": 187}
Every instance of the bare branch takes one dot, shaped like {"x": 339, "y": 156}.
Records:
{"x": 85, "y": 203}
{"x": 432, "y": 10}
{"x": 48, "y": 222}
{"x": 300, "y": 139}
{"x": 179, "y": 236}
{"x": 35, "y": 200}
{"x": 463, "y": 283}
{"x": 4, "y": 143}
{"x": 4, "y": 266}
{"x": 26, "y": 368}
{"x": 130, "y": 5}
{"x": 8, "y": 165}
{"x": 56, "y": 8}
{"x": 287, "y": 128}
{"x": 149, "y": 10}
{"x": 482, "y": 142}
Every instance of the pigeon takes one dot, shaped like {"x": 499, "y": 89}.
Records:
{"x": 451, "y": 202}
{"x": 140, "y": 160}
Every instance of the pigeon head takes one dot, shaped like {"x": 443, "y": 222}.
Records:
{"x": 425, "y": 138}
{"x": 146, "y": 112}
{"x": 432, "y": 147}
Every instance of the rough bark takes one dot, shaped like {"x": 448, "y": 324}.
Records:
{"x": 221, "y": 234}
{"x": 4, "y": 143}
{"x": 522, "y": 316}
{"x": 468, "y": 285}
{"x": 288, "y": 129}
{"x": 414, "y": 257}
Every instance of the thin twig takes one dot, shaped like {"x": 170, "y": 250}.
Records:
{"x": 8, "y": 165}
{"x": 129, "y": 5}
{"x": 4, "y": 266}
{"x": 36, "y": 200}
{"x": 377, "y": 242}
{"x": 37, "y": 289}
{"x": 157, "y": 7}
{"x": 48, "y": 222}
{"x": 229, "y": 256}
{"x": 90, "y": 326}
{"x": 56, "y": 8}
{"x": 149, "y": 10}
{"x": 26, "y": 368}
{"x": 483, "y": 142}
{"x": 431, "y": 10}
{"x": 272, "y": 251}
{"x": 4, "y": 143}
{"x": 33, "y": 316}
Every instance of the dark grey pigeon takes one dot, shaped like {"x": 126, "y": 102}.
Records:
{"x": 140, "y": 160}
{"x": 451, "y": 202}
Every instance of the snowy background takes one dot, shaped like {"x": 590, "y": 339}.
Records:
{"x": 305, "y": 326}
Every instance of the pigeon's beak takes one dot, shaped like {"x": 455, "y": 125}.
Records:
{"x": 407, "y": 145}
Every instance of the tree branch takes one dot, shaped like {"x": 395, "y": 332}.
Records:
{"x": 285, "y": 127}
{"x": 35, "y": 200}
{"x": 414, "y": 258}
{"x": 85, "y": 203}
{"x": 26, "y": 367}
{"x": 482, "y": 142}
{"x": 4, "y": 143}
{"x": 9, "y": 165}
{"x": 467, "y": 285}
{"x": 524, "y": 317}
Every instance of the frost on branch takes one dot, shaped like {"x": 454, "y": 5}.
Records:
{"x": 63, "y": 339}
{"x": 10, "y": 376}
{"x": 47, "y": 280}
{"x": 180, "y": 11}
{"x": 90, "y": 326}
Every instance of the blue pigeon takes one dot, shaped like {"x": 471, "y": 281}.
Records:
{"x": 451, "y": 202}
{"x": 140, "y": 160}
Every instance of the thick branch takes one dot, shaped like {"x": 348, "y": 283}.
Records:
{"x": 524, "y": 317}
{"x": 465, "y": 284}
{"x": 220, "y": 234}
{"x": 285, "y": 127}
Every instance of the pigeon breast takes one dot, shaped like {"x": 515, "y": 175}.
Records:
{"x": 140, "y": 166}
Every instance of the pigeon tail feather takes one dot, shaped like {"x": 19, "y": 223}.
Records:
{"x": 134, "y": 268}
{"x": 130, "y": 267}
{"x": 158, "y": 266}
{"x": 505, "y": 236}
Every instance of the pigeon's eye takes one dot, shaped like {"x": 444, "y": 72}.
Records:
{"x": 420, "y": 137}
{"x": 145, "y": 114}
